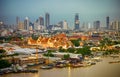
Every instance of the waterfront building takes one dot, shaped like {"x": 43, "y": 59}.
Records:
{"x": 77, "y": 22}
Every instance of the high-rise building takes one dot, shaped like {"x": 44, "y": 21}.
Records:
{"x": 77, "y": 22}
{"x": 60, "y": 24}
{"x": 31, "y": 26}
{"x": 107, "y": 22}
{"x": 47, "y": 20}
{"x": 41, "y": 19}
{"x": 17, "y": 21}
{"x": 26, "y": 23}
{"x": 115, "y": 25}
{"x": 96, "y": 25}
{"x": 20, "y": 25}
{"x": 65, "y": 25}
{"x": 41, "y": 23}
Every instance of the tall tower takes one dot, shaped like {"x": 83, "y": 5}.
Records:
{"x": 17, "y": 21}
{"x": 41, "y": 23}
{"x": 76, "y": 21}
{"x": 96, "y": 24}
{"x": 47, "y": 20}
{"x": 41, "y": 19}
{"x": 107, "y": 22}
{"x": 65, "y": 25}
{"x": 26, "y": 23}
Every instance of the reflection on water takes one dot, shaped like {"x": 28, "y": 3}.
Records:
{"x": 101, "y": 69}
{"x": 69, "y": 72}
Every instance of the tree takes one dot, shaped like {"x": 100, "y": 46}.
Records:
{"x": 49, "y": 53}
{"x": 71, "y": 50}
{"x": 2, "y": 51}
{"x": 66, "y": 56}
{"x": 4, "y": 64}
{"x": 61, "y": 49}
{"x": 76, "y": 42}
{"x": 84, "y": 51}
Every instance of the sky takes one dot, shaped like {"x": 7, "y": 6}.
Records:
{"x": 59, "y": 10}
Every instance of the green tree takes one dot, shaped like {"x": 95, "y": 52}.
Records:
{"x": 76, "y": 42}
{"x": 61, "y": 49}
{"x": 71, "y": 50}
{"x": 49, "y": 53}
{"x": 2, "y": 51}
{"x": 4, "y": 64}
{"x": 84, "y": 51}
{"x": 66, "y": 56}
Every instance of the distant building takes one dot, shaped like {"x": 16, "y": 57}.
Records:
{"x": 56, "y": 27}
{"x": 47, "y": 20}
{"x": 107, "y": 22}
{"x": 41, "y": 21}
{"x": 37, "y": 25}
{"x": 96, "y": 25}
{"x": 65, "y": 25}
{"x": 60, "y": 24}
{"x": 21, "y": 25}
{"x": 50, "y": 27}
{"x": 17, "y": 21}
{"x": 31, "y": 26}
{"x": 86, "y": 26}
{"x": 77, "y": 22}
{"x": 26, "y": 23}
{"x": 115, "y": 25}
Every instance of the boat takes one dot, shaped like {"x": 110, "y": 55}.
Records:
{"x": 30, "y": 71}
{"x": 78, "y": 65}
{"x": 46, "y": 67}
{"x": 60, "y": 65}
{"x": 31, "y": 64}
{"x": 115, "y": 61}
{"x": 93, "y": 63}
{"x": 114, "y": 56}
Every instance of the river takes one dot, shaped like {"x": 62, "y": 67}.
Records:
{"x": 101, "y": 69}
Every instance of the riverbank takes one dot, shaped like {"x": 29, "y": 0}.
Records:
{"x": 101, "y": 69}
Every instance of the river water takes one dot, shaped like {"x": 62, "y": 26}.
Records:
{"x": 101, "y": 69}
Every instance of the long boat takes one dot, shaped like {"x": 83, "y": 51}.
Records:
{"x": 46, "y": 67}
{"x": 115, "y": 61}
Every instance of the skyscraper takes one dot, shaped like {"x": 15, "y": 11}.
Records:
{"x": 26, "y": 23}
{"x": 41, "y": 19}
{"x": 47, "y": 20}
{"x": 17, "y": 21}
{"x": 96, "y": 25}
{"x": 77, "y": 22}
{"x": 115, "y": 25}
{"x": 107, "y": 22}
{"x": 65, "y": 25}
{"x": 20, "y": 25}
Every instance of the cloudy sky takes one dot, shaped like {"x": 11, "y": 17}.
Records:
{"x": 89, "y": 10}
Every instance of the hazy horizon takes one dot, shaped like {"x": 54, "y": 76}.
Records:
{"x": 59, "y": 10}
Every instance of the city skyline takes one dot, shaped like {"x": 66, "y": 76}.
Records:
{"x": 60, "y": 10}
